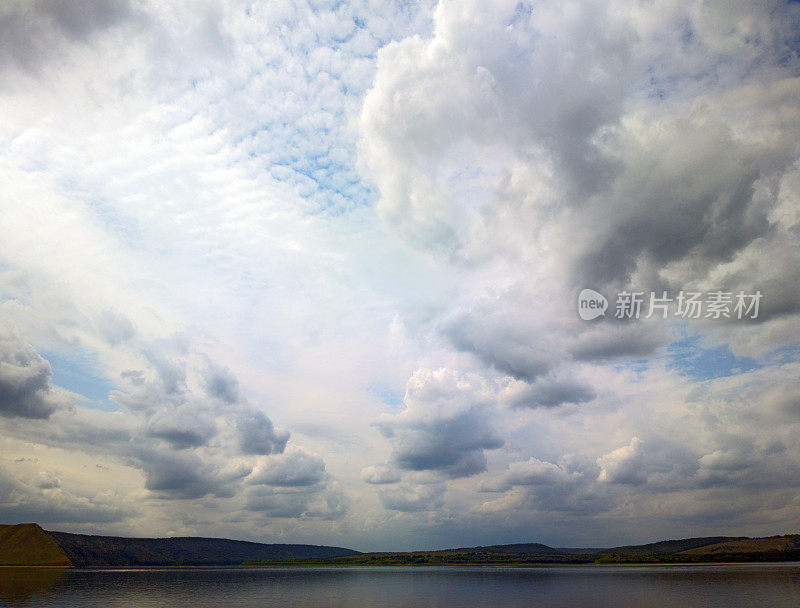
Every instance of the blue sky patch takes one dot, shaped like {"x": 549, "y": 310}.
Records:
{"x": 691, "y": 357}
{"x": 76, "y": 371}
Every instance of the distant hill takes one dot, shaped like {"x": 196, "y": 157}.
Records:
{"x": 666, "y": 547}
{"x": 30, "y": 545}
{"x": 687, "y": 550}
{"x": 708, "y": 549}
{"x": 520, "y": 549}
{"x": 26, "y": 544}
{"x": 105, "y": 551}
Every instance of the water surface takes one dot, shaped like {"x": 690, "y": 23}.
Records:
{"x": 725, "y": 586}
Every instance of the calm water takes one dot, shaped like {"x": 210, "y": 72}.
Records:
{"x": 731, "y": 586}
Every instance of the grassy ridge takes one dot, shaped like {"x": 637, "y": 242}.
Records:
{"x": 29, "y": 545}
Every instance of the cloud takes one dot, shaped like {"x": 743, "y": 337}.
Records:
{"x": 610, "y": 341}
{"x": 185, "y": 475}
{"x": 445, "y": 427}
{"x": 709, "y": 217}
{"x": 278, "y": 504}
{"x": 25, "y": 389}
{"x": 47, "y": 480}
{"x": 559, "y": 177}
{"x": 533, "y": 472}
{"x": 546, "y": 392}
{"x": 294, "y": 485}
{"x": 220, "y": 382}
{"x": 115, "y": 328}
{"x": 380, "y": 475}
{"x": 187, "y": 418}
{"x": 525, "y": 78}
{"x": 507, "y": 343}
{"x": 257, "y": 434}
{"x": 184, "y": 426}
{"x": 47, "y": 503}
{"x": 623, "y": 465}
{"x": 291, "y": 469}
{"x": 297, "y": 502}
{"x": 413, "y": 499}
{"x": 25, "y": 25}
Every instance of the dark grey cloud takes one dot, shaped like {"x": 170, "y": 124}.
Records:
{"x": 452, "y": 446}
{"x": 33, "y": 32}
{"x": 25, "y": 389}
{"x": 609, "y": 340}
{"x": 294, "y": 469}
{"x": 79, "y": 19}
{"x": 551, "y": 392}
{"x": 185, "y": 475}
{"x": 500, "y": 340}
{"x": 675, "y": 212}
{"x": 220, "y": 383}
{"x": 185, "y": 426}
{"x": 446, "y": 426}
{"x": 257, "y": 434}
{"x": 771, "y": 266}
{"x": 278, "y": 504}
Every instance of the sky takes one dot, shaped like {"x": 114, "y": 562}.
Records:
{"x": 313, "y": 272}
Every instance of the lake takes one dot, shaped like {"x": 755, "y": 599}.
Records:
{"x": 726, "y": 586}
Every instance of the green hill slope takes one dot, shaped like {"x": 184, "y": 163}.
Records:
{"x": 29, "y": 545}
{"x": 751, "y": 546}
